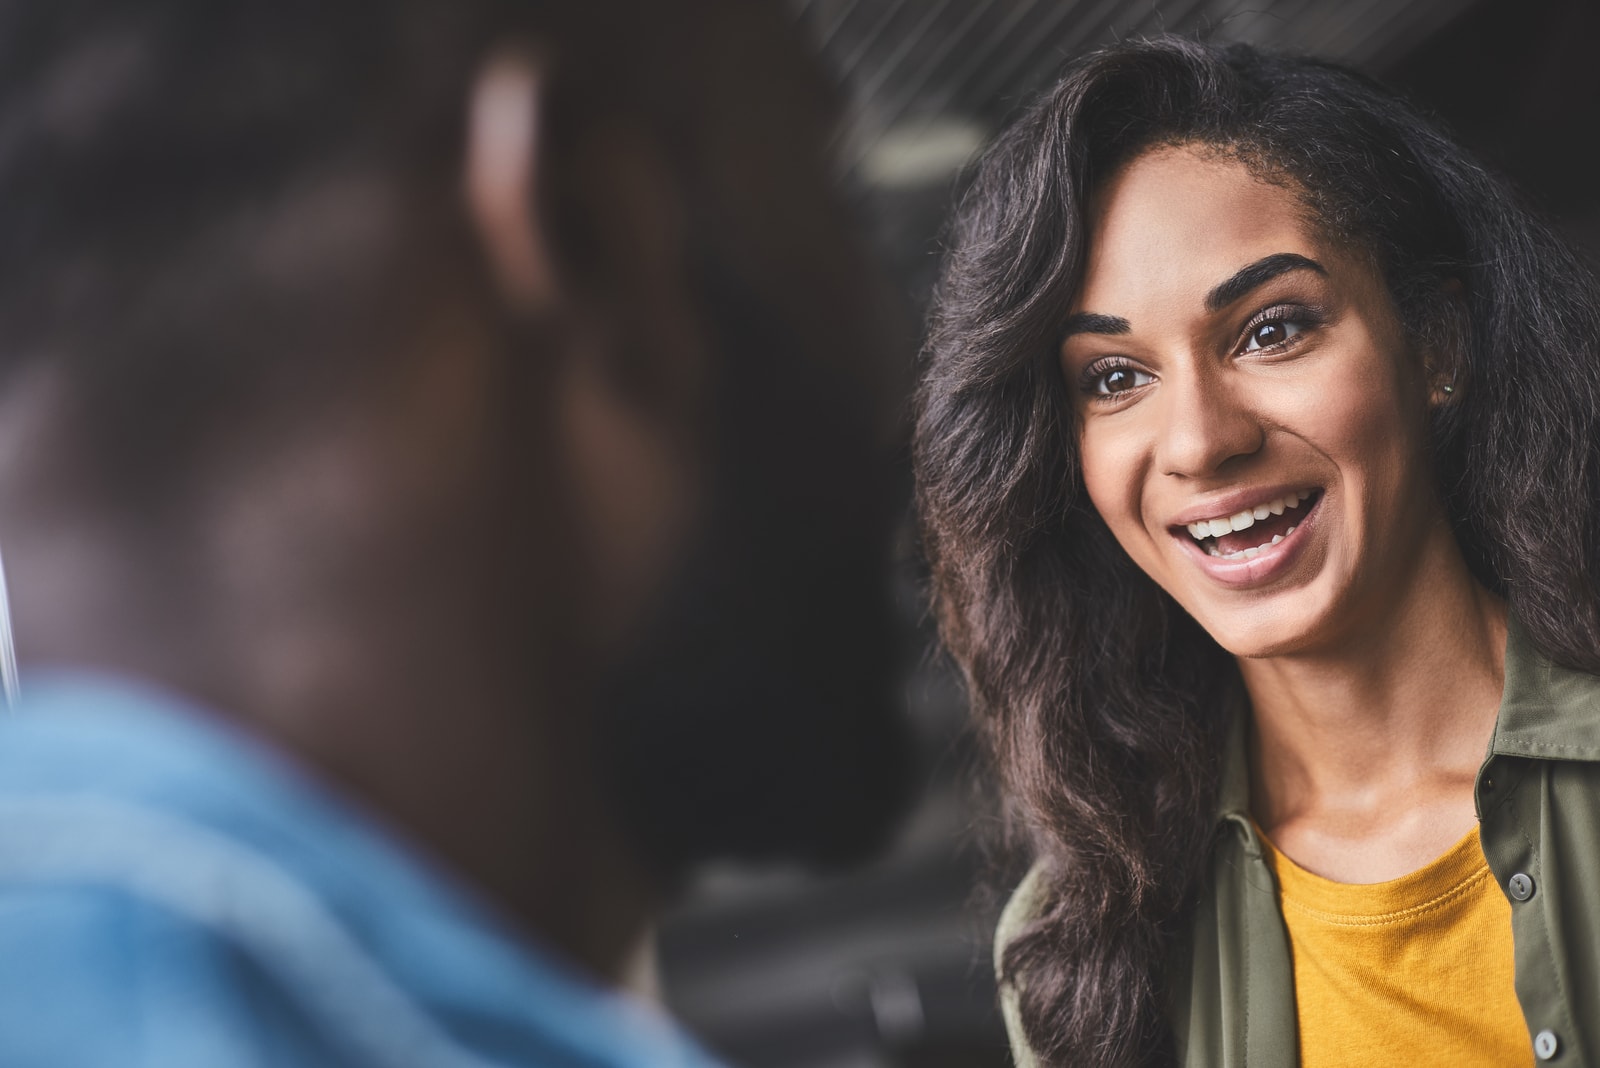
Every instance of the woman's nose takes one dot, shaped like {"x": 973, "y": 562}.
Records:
{"x": 1206, "y": 424}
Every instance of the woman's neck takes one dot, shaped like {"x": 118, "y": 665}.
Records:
{"x": 1363, "y": 754}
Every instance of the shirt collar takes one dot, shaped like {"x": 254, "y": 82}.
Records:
{"x": 86, "y": 748}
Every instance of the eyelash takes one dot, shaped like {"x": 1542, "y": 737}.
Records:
{"x": 1290, "y": 314}
{"x": 1299, "y": 315}
{"x": 1090, "y": 380}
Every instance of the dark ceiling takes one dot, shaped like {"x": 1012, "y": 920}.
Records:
{"x": 927, "y": 78}
{"x": 928, "y": 82}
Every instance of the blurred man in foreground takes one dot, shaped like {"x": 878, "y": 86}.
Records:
{"x": 439, "y": 487}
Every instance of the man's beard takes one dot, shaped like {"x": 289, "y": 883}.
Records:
{"x": 753, "y": 719}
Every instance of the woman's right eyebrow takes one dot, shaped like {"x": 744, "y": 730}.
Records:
{"x": 1259, "y": 273}
{"x": 1243, "y": 281}
{"x": 1095, "y": 323}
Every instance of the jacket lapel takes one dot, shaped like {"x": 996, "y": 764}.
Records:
{"x": 1234, "y": 996}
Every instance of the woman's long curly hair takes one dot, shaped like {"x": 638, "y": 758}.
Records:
{"x": 1102, "y": 701}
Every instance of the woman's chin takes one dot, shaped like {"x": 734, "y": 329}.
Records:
{"x": 1261, "y": 632}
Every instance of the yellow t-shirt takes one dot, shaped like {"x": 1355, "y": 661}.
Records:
{"x": 1417, "y": 970}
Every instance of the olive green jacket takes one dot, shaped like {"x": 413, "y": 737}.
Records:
{"x": 1538, "y": 801}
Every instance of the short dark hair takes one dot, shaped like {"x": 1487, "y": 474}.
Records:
{"x": 1102, "y": 700}
{"x": 205, "y": 201}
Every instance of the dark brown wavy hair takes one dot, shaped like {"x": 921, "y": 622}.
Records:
{"x": 1102, "y": 701}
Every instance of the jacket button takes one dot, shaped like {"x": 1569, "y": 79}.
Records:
{"x": 1521, "y": 887}
{"x": 1546, "y": 1045}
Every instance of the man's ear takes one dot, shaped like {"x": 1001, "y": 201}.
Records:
{"x": 618, "y": 181}
{"x": 502, "y": 178}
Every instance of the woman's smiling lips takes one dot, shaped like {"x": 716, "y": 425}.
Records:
{"x": 1250, "y": 536}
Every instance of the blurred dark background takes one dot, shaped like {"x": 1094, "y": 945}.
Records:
{"x": 889, "y": 966}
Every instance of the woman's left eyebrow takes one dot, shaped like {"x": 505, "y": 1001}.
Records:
{"x": 1256, "y": 274}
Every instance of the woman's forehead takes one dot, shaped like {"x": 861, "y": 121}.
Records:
{"x": 1171, "y": 223}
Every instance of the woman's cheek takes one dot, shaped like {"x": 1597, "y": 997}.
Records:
{"x": 1114, "y": 478}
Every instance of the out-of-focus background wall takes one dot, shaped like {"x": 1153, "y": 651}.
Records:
{"x": 889, "y": 966}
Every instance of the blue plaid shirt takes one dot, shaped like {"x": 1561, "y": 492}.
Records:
{"x": 174, "y": 896}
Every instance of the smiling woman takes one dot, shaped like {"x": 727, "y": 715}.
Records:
{"x": 1258, "y": 453}
{"x": 1285, "y": 383}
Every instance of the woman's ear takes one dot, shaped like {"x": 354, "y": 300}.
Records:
{"x": 502, "y": 173}
{"x": 1443, "y": 385}
{"x": 1445, "y": 360}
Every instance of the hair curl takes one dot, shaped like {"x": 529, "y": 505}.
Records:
{"x": 1101, "y": 700}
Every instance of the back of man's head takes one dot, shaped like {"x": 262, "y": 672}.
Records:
{"x": 232, "y": 227}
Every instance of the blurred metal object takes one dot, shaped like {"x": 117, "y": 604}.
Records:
{"x": 897, "y": 1006}
{"x": 8, "y": 648}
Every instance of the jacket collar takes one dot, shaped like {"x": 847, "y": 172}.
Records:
{"x": 1546, "y": 711}
{"x": 1233, "y": 796}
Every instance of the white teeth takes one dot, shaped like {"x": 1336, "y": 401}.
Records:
{"x": 1216, "y": 528}
{"x": 1206, "y": 531}
{"x": 1244, "y": 554}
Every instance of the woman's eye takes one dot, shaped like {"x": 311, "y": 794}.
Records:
{"x": 1119, "y": 380}
{"x": 1270, "y": 333}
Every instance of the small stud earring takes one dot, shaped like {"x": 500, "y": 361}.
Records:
{"x": 1449, "y": 389}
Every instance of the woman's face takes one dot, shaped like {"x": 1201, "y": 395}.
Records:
{"x": 1253, "y": 420}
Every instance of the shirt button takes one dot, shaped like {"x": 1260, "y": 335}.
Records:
{"x": 1521, "y": 887}
{"x": 1546, "y": 1045}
